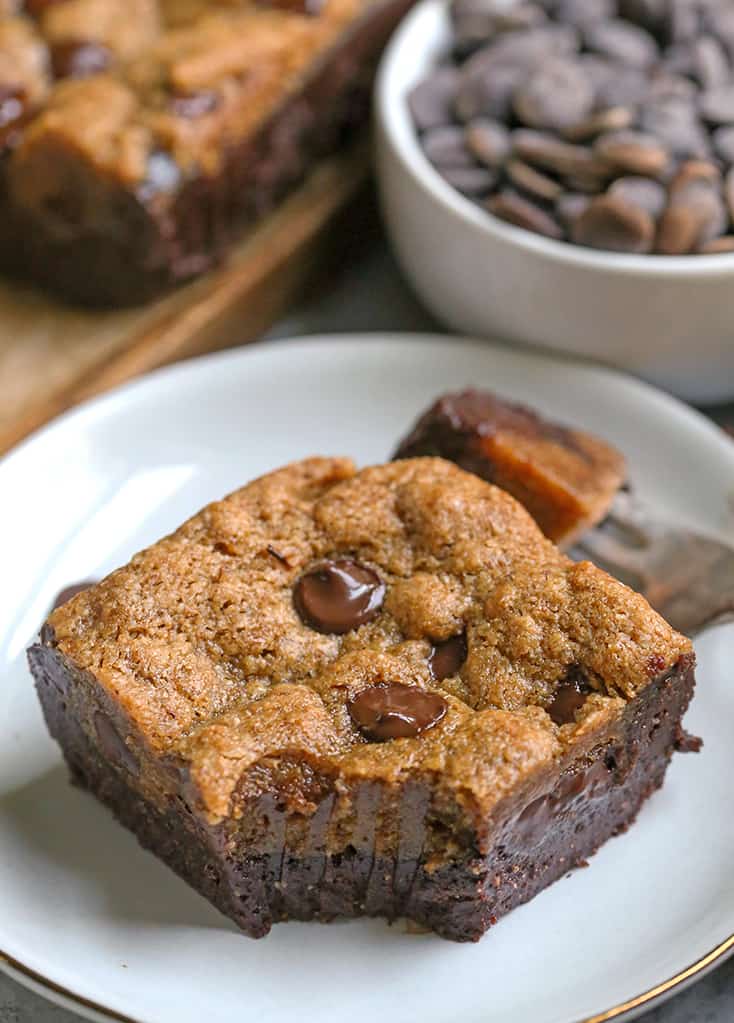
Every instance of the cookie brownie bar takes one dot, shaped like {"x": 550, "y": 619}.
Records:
{"x": 139, "y": 137}
{"x": 383, "y": 693}
{"x": 566, "y": 478}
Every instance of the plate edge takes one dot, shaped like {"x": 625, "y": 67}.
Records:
{"x": 658, "y": 993}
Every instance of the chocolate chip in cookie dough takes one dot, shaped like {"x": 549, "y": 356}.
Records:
{"x": 79, "y": 58}
{"x": 192, "y": 105}
{"x": 396, "y": 711}
{"x": 337, "y": 596}
{"x": 447, "y": 657}
{"x": 569, "y": 698}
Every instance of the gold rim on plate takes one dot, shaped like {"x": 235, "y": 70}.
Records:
{"x": 617, "y": 1012}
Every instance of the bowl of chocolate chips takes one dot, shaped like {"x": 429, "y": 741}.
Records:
{"x": 561, "y": 173}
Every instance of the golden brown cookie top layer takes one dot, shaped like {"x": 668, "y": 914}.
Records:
{"x": 195, "y": 76}
{"x": 215, "y": 642}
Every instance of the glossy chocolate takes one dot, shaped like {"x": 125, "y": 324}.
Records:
{"x": 396, "y": 711}
{"x": 194, "y": 104}
{"x": 79, "y": 58}
{"x": 338, "y": 596}
{"x": 446, "y": 658}
{"x": 112, "y": 745}
{"x": 569, "y": 698}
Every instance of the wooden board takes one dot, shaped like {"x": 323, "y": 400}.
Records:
{"x": 52, "y": 356}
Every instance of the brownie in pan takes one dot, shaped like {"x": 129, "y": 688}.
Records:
{"x": 376, "y": 693}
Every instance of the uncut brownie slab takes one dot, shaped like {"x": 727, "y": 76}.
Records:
{"x": 385, "y": 693}
{"x": 138, "y": 139}
{"x": 566, "y": 478}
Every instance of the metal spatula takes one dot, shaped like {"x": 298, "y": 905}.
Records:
{"x": 687, "y": 578}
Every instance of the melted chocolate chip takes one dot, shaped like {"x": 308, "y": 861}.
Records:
{"x": 446, "y": 658}
{"x": 113, "y": 745}
{"x": 586, "y": 784}
{"x": 71, "y": 591}
{"x": 79, "y": 58}
{"x": 396, "y": 711}
{"x": 569, "y": 698}
{"x": 194, "y": 104}
{"x": 338, "y": 596}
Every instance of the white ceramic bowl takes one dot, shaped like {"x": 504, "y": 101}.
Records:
{"x": 667, "y": 318}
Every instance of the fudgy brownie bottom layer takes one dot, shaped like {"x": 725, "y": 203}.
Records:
{"x": 96, "y": 243}
{"x": 593, "y": 799}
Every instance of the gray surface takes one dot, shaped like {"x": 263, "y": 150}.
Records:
{"x": 368, "y": 294}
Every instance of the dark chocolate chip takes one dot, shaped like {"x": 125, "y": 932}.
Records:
{"x": 447, "y": 657}
{"x": 570, "y": 696}
{"x": 431, "y": 101}
{"x": 544, "y": 150}
{"x": 112, "y": 745}
{"x": 621, "y": 41}
{"x": 533, "y": 822}
{"x": 710, "y": 63}
{"x": 71, "y": 591}
{"x": 515, "y": 209}
{"x": 570, "y": 206}
{"x": 338, "y": 596}
{"x": 645, "y": 193}
{"x": 396, "y": 711}
{"x": 695, "y": 170}
{"x": 611, "y": 222}
{"x": 79, "y": 58}
{"x": 556, "y": 95}
{"x": 490, "y": 94}
{"x": 611, "y": 119}
{"x": 471, "y": 181}
{"x": 488, "y": 141}
{"x": 446, "y": 147}
{"x": 632, "y": 152}
{"x": 723, "y": 139}
{"x": 696, "y": 215}
{"x": 580, "y": 12}
{"x": 531, "y": 181}
{"x": 717, "y": 105}
{"x": 194, "y": 104}
{"x": 676, "y": 124}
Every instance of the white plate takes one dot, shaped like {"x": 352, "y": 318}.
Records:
{"x": 96, "y": 922}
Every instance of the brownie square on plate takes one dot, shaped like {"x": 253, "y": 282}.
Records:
{"x": 339, "y": 693}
